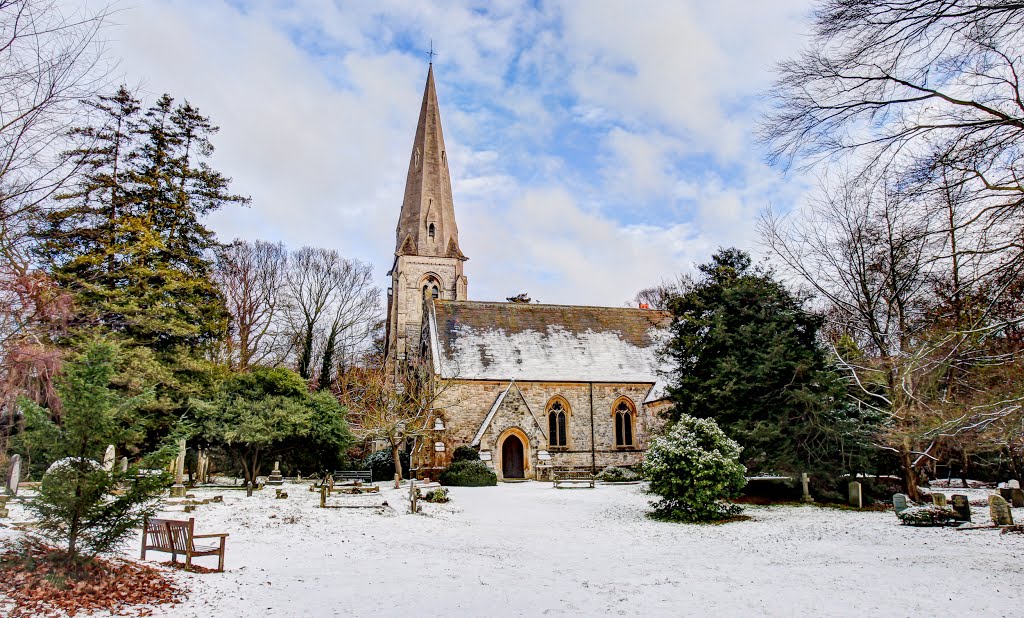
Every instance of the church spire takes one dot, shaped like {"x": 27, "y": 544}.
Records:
{"x": 427, "y": 226}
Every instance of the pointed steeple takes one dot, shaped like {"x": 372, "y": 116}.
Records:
{"x": 427, "y": 224}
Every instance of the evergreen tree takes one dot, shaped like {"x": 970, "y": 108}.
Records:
{"x": 745, "y": 353}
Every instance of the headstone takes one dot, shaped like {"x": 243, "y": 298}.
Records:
{"x": 3, "y": 506}
{"x": 281, "y": 494}
{"x": 124, "y": 464}
{"x": 855, "y": 495}
{"x": 1013, "y": 484}
{"x": 939, "y": 499}
{"x": 178, "y": 489}
{"x": 962, "y": 506}
{"x": 899, "y": 503}
{"x": 14, "y": 475}
{"x": 248, "y": 489}
{"x": 189, "y": 508}
{"x": 108, "y": 458}
{"x": 217, "y": 499}
{"x": 999, "y": 511}
{"x": 805, "y": 480}
{"x": 1017, "y": 497}
{"x": 275, "y": 475}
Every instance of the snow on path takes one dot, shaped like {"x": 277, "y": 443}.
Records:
{"x": 529, "y": 549}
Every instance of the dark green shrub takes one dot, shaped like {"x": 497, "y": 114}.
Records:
{"x": 438, "y": 496}
{"x": 928, "y": 515}
{"x": 469, "y": 474}
{"x": 694, "y": 468}
{"x": 465, "y": 453}
{"x": 382, "y": 465}
{"x": 613, "y": 474}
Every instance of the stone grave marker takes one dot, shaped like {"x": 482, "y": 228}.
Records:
{"x": 275, "y": 477}
{"x": 14, "y": 475}
{"x": 178, "y": 489}
{"x": 856, "y": 499}
{"x": 1017, "y": 497}
{"x": 3, "y": 506}
{"x": 1013, "y": 484}
{"x": 939, "y": 499}
{"x": 804, "y": 481}
{"x": 999, "y": 511}
{"x": 281, "y": 494}
{"x": 962, "y": 506}
{"x": 899, "y": 503}
{"x": 124, "y": 464}
{"x": 108, "y": 458}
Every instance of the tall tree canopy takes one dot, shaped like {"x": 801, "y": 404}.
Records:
{"x": 745, "y": 353}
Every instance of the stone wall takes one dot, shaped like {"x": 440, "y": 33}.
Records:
{"x": 407, "y": 296}
{"x": 463, "y": 406}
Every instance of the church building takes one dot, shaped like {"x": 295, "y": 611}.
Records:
{"x": 532, "y": 386}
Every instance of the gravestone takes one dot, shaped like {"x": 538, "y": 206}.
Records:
{"x": 1013, "y": 484}
{"x": 962, "y": 506}
{"x": 3, "y": 506}
{"x": 999, "y": 511}
{"x": 108, "y": 458}
{"x": 805, "y": 480}
{"x": 124, "y": 464}
{"x": 939, "y": 499}
{"x": 178, "y": 489}
{"x": 899, "y": 503}
{"x": 14, "y": 475}
{"x": 281, "y": 494}
{"x": 248, "y": 489}
{"x": 1017, "y": 497}
{"x": 856, "y": 499}
{"x": 275, "y": 477}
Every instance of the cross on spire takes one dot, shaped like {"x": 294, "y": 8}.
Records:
{"x": 431, "y": 53}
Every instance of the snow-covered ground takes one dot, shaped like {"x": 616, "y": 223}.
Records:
{"x": 529, "y": 549}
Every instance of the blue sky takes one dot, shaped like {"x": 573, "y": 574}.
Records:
{"x": 596, "y": 148}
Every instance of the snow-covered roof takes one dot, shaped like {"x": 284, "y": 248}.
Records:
{"x": 519, "y": 341}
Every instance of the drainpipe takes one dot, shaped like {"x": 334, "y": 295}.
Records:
{"x": 593, "y": 446}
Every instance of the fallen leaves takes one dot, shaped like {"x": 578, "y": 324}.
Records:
{"x": 46, "y": 582}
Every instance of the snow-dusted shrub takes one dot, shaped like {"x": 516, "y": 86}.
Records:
{"x": 694, "y": 468}
{"x": 465, "y": 453}
{"x": 382, "y": 464}
{"x": 928, "y": 515}
{"x": 468, "y": 474}
{"x": 613, "y": 474}
{"x": 437, "y": 495}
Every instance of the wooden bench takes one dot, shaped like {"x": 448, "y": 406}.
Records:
{"x": 351, "y": 482}
{"x": 572, "y": 476}
{"x": 352, "y": 476}
{"x": 178, "y": 537}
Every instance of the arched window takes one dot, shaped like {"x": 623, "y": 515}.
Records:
{"x": 623, "y": 424}
{"x": 557, "y": 425}
{"x": 430, "y": 231}
{"x": 434, "y": 292}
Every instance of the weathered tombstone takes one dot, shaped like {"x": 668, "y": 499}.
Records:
{"x": 14, "y": 475}
{"x": 999, "y": 511}
{"x": 281, "y": 494}
{"x": 275, "y": 477}
{"x": 939, "y": 499}
{"x": 962, "y": 506}
{"x": 217, "y": 499}
{"x": 1017, "y": 497}
{"x": 3, "y": 506}
{"x": 178, "y": 489}
{"x": 1013, "y": 484}
{"x": 189, "y": 508}
{"x": 805, "y": 480}
{"x": 856, "y": 499}
{"x": 248, "y": 489}
{"x": 108, "y": 458}
{"x": 899, "y": 503}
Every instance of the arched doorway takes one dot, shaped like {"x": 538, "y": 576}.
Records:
{"x": 512, "y": 458}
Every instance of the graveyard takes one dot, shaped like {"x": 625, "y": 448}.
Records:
{"x": 527, "y": 548}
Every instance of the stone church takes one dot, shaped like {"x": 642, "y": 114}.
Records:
{"x": 533, "y": 386}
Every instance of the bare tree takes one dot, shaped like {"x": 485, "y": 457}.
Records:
{"x": 251, "y": 276}
{"x": 356, "y": 306}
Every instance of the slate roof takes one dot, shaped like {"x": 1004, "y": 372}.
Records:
{"x": 519, "y": 341}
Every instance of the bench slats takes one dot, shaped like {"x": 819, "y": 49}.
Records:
{"x": 178, "y": 537}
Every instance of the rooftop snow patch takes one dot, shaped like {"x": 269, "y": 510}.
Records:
{"x": 519, "y": 341}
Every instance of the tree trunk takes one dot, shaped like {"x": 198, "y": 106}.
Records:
{"x": 909, "y": 477}
{"x": 398, "y": 464}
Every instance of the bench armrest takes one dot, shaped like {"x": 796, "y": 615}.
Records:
{"x": 208, "y": 536}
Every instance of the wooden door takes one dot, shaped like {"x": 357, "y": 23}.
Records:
{"x": 512, "y": 458}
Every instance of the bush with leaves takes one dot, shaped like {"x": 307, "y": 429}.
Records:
{"x": 382, "y": 464}
{"x": 465, "y": 453}
{"x": 438, "y": 496}
{"x": 80, "y": 506}
{"x": 928, "y": 515}
{"x": 613, "y": 474}
{"x": 694, "y": 467}
{"x": 469, "y": 474}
